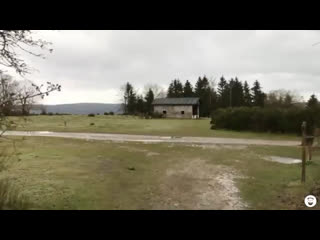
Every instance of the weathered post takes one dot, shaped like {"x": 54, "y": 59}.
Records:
{"x": 303, "y": 147}
{"x": 309, "y": 146}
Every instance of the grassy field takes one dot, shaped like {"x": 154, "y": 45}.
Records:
{"x": 134, "y": 125}
{"x": 56, "y": 173}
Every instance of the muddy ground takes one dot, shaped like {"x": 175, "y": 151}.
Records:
{"x": 197, "y": 185}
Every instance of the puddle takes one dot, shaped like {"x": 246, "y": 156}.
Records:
{"x": 219, "y": 146}
{"x": 284, "y": 160}
{"x": 150, "y": 154}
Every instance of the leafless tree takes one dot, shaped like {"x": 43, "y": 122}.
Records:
{"x": 12, "y": 44}
{"x": 11, "y": 96}
{"x": 158, "y": 91}
{"x": 7, "y": 89}
{"x": 282, "y": 97}
{"x": 24, "y": 91}
{"x": 14, "y": 41}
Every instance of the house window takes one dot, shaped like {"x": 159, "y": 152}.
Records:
{"x": 164, "y": 112}
{"x": 182, "y": 112}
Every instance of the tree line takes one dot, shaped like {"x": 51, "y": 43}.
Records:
{"x": 231, "y": 93}
{"x": 285, "y": 117}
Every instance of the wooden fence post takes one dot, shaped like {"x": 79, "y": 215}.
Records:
{"x": 303, "y": 143}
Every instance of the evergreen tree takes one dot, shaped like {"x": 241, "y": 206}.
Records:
{"x": 129, "y": 99}
{"x": 140, "y": 105}
{"x": 287, "y": 102}
{"x": 229, "y": 92}
{"x": 132, "y": 101}
{"x": 204, "y": 92}
{"x": 237, "y": 94}
{"x": 187, "y": 89}
{"x": 258, "y": 96}
{"x": 127, "y": 90}
{"x": 313, "y": 102}
{"x": 149, "y": 99}
{"x": 213, "y": 100}
{"x": 247, "y": 98}
{"x": 170, "y": 92}
{"x": 175, "y": 89}
{"x": 222, "y": 94}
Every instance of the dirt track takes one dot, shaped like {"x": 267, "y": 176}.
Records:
{"x": 196, "y": 185}
{"x": 155, "y": 139}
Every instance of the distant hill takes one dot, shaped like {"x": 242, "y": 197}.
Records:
{"x": 79, "y": 108}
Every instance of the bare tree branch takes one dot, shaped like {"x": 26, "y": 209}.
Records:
{"x": 22, "y": 40}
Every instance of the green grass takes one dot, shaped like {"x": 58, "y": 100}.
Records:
{"x": 135, "y": 125}
{"x": 57, "y": 173}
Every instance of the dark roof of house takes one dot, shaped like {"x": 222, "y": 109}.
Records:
{"x": 176, "y": 101}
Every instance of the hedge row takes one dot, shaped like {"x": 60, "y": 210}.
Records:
{"x": 259, "y": 119}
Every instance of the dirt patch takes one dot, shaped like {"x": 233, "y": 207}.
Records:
{"x": 132, "y": 149}
{"x": 199, "y": 185}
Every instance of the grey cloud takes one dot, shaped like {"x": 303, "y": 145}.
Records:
{"x": 97, "y": 63}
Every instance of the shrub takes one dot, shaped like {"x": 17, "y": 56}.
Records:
{"x": 106, "y": 113}
{"x": 282, "y": 120}
{"x": 91, "y": 115}
{"x": 111, "y": 113}
{"x": 91, "y": 124}
{"x": 157, "y": 115}
{"x": 43, "y": 112}
{"x": 147, "y": 116}
{"x": 10, "y": 199}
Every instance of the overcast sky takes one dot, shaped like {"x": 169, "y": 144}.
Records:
{"x": 92, "y": 65}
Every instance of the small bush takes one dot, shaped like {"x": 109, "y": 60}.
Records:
{"x": 91, "y": 124}
{"x": 106, "y": 113}
{"x": 157, "y": 115}
{"x": 111, "y": 113}
{"x": 91, "y": 115}
{"x": 50, "y": 113}
{"x": 147, "y": 116}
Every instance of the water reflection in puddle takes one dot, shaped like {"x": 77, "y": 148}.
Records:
{"x": 284, "y": 160}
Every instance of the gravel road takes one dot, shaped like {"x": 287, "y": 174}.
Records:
{"x": 155, "y": 139}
